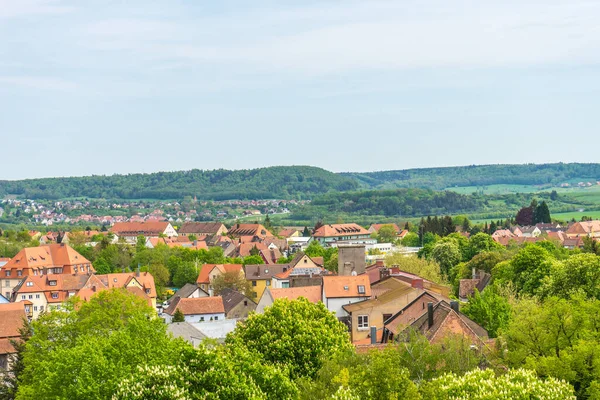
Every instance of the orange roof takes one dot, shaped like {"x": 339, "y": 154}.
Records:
{"x": 249, "y": 230}
{"x": 204, "y": 276}
{"x": 50, "y": 255}
{"x": 121, "y": 280}
{"x": 311, "y": 293}
{"x": 340, "y": 230}
{"x": 245, "y": 248}
{"x": 195, "y": 306}
{"x": 287, "y": 232}
{"x": 11, "y": 315}
{"x": 140, "y": 228}
{"x": 377, "y": 227}
{"x": 346, "y": 286}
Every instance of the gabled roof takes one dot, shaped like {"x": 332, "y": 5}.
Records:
{"x": 201, "y": 227}
{"x": 264, "y": 271}
{"x": 249, "y": 230}
{"x": 441, "y": 312}
{"x": 232, "y": 298}
{"x": 204, "y": 275}
{"x": 197, "y": 306}
{"x": 584, "y": 227}
{"x": 46, "y": 256}
{"x": 287, "y": 232}
{"x": 12, "y": 316}
{"x": 186, "y": 331}
{"x": 346, "y": 286}
{"x": 121, "y": 280}
{"x": 139, "y": 228}
{"x": 310, "y": 293}
{"x": 187, "y": 290}
{"x": 336, "y": 230}
{"x": 377, "y": 227}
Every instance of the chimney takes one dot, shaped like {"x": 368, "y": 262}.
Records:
{"x": 373, "y": 335}
{"x": 454, "y": 305}
{"x": 417, "y": 283}
{"x": 384, "y": 273}
{"x": 474, "y": 273}
{"x": 429, "y": 315}
{"x": 379, "y": 263}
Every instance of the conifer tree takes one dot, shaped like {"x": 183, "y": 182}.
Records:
{"x": 178, "y": 316}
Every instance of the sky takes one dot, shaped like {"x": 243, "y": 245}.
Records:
{"x": 105, "y": 86}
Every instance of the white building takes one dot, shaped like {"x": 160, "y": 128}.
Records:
{"x": 341, "y": 290}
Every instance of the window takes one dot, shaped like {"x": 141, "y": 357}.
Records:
{"x": 268, "y": 282}
{"x": 30, "y": 296}
{"x": 37, "y": 296}
{"x": 386, "y": 317}
{"x": 35, "y": 308}
{"x": 147, "y": 291}
{"x": 285, "y": 285}
{"x": 7, "y": 283}
{"x": 75, "y": 269}
{"x": 19, "y": 273}
{"x": 346, "y": 287}
{"x": 29, "y": 283}
{"x": 41, "y": 308}
{"x": 361, "y": 289}
{"x": 52, "y": 283}
{"x": 55, "y": 295}
{"x": 22, "y": 297}
{"x": 363, "y": 322}
{"x": 201, "y": 319}
{"x": 7, "y": 273}
{"x": 216, "y": 318}
{"x": 253, "y": 283}
{"x": 245, "y": 302}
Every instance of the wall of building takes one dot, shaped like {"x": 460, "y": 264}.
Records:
{"x": 241, "y": 310}
{"x": 335, "y": 305}
{"x": 351, "y": 259}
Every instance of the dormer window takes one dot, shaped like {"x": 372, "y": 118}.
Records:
{"x": 52, "y": 283}
{"x": 7, "y": 273}
{"x": 346, "y": 288}
{"x": 19, "y": 273}
{"x": 147, "y": 291}
{"x": 361, "y": 289}
{"x": 29, "y": 283}
{"x": 55, "y": 295}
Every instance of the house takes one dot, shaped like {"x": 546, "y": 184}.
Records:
{"x": 261, "y": 276}
{"x": 388, "y": 297}
{"x": 415, "y": 280}
{"x": 479, "y": 281}
{"x": 437, "y": 322}
{"x": 202, "y": 229}
{"x": 152, "y": 242}
{"x": 199, "y": 309}
{"x": 187, "y": 332}
{"x": 548, "y": 227}
{"x": 258, "y": 230}
{"x": 584, "y": 228}
{"x": 139, "y": 283}
{"x": 311, "y": 293}
{"x": 50, "y": 259}
{"x": 374, "y": 228}
{"x": 573, "y": 243}
{"x": 529, "y": 231}
{"x": 301, "y": 271}
{"x": 348, "y": 233}
{"x": 216, "y": 329}
{"x": 188, "y": 291}
{"x": 503, "y": 233}
{"x": 13, "y": 317}
{"x": 209, "y": 272}
{"x": 289, "y": 233}
{"x": 237, "y": 306}
{"x": 269, "y": 255}
{"x": 131, "y": 230}
{"x": 342, "y": 290}
{"x": 4, "y": 300}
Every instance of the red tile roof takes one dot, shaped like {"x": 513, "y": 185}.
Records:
{"x": 139, "y": 228}
{"x": 195, "y": 306}
{"x": 11, "y": 315}
{"x": 346, "y": 286}
{"x": 336, "y": 230}
{"x": 310, "y": 293}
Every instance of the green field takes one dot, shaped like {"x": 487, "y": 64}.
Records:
{"x": 591, "y": 194}
{"x": 567, "y": 216}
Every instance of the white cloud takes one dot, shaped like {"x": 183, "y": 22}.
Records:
{"x": 38, "y": 82}
{"x": 17, "y": 8}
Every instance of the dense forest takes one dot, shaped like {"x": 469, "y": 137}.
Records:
{"x": 298, "y": 182}
{"x": 292, "y": 182}
{"x": 478, "y": 175}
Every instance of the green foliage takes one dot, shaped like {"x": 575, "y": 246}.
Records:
{"x": 178, "y": 316}
{"x": 411, "y": 239}
{"x": 296, "y": 334}
{"x": 314, "y": 249}
{"x": 232, "y": 280}
{"x": 489, "y": 309}
{"x": 98, "y": 342}
{"x": 252, "y": 260}
{"x": 387, "y": 234}
{"x": 427, "y": 269}
{"x": 262, "y": 183}
{"x": 579, "y": 273}
{"x": 527, "y": 269}
{"x": 479, "y": 384}
{"x": 481, "y": 242}
{"x": 447, "y": 255}
{"x": 187, "y": 272}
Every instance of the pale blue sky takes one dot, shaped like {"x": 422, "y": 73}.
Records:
{"x": 102, "y": 87}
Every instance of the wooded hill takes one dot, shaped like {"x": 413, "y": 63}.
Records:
{"x": 292, "y": 182}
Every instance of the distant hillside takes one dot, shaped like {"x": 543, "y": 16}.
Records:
{"x": 299, "y": 182}
{"x": 477, "y": 175}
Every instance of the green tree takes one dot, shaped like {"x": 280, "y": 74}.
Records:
{"x": 481, "y": 242}
{"x": 232, "y": 280}
{"x": 578, "y": 273}
{"x": 306, "y": 232}
{"x": 252, "y": 260}
{"x": 411, "y": 239}
{"x": 387, "y": 234}
{"x": 296, "y": 334}
{"x": 9, "y": 379}
{"x": 314, "y": 249}
{"x": 529, "y": 268}
{"x": 541, "y": 214}
{"x": 100, "y": 341}
{"x": 428, "y": 269}
{"x": 178, "y": 316}
{"x": 489, "y": 309}
{"x": 187, "y": 272}
{"x": 447, "y": 255}
{"x": 520, "y": 384}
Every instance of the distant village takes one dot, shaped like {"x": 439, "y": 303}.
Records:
{"x": 376, "y": 301}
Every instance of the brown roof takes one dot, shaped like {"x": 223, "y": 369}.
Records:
{"x": 201, "y": 227}
{"x": 121, "y": 280}
{"x": 232, "y": 298}
{"x": 46, "y": 256}
{"x": 195, "y": 306}
{"x": 377, "y": 227}
{"x": 204, "y": 275}
{"x": 286, "y": 233}
{"x": 346, "y": 286}
{"x": 340, "y": 230}
{"x": 139, "y": 228}
{"x": 310, "y": 293}
{"x": 584, "y": 227}
{"x": 11, "y": 315}
{"x": 249, "y": 230}
{"x": 264, "y": 271}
